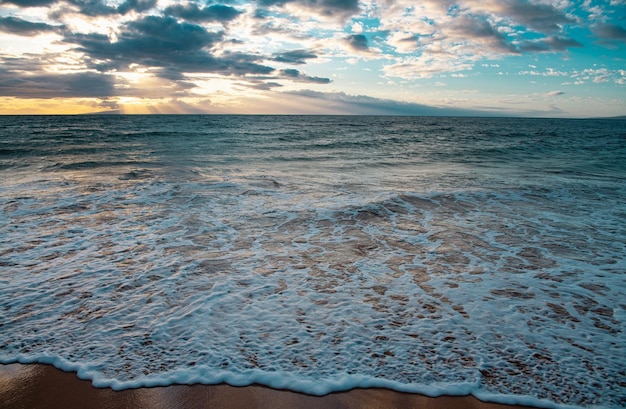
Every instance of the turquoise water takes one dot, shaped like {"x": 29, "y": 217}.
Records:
{"x": 319, "y": 253}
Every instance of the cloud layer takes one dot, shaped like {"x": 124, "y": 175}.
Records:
{"x": 109, "y": 48}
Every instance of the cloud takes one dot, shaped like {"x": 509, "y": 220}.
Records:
{"x": 175, "y": 47}
{"x": 155, "y": 33}
{"x": 150, "y": 37}
{"x": 341, "y": 9}
{"x": 192, "y": 12}
{"x": 544, "y": 18}
{"x": 262, "y": 85}
{"x": 365, "y": 105}
{"x": 404, "y": 42}
{"x": 186, "y": 48}
{"x": 600, "y": 75}
{"x": 610, "y": 32}
{"x": 481, "y": 31}
{"x": 30, "y": 3}
{"x": 47, "y": 85}
{"x": 426, "y": 66}
{"x": 595, "y": 75}
{"x": 300, "y": 77}
{"x": 165, "y": 56}
{"x": 357, "y": 42}
{"x": 136, "y": 5}
{"x": 100, "y": 8}
{"x": 555, "y": 93}
{"x": 550, "y": 44}
{"x": 438, "y": 37}
{"x": 294, "y": 56}
{"x": 110, "y": 105}
{"x": 17, "y": 26}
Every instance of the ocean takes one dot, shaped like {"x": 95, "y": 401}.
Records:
{"x": 435, "y": 255}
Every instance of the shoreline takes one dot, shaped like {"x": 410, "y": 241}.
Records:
{"x": 31, "y": 386}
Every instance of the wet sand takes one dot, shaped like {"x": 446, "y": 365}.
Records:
{"x": 43, "y": 386}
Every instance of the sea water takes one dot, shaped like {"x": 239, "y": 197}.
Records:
{"x": 319, "y": 253}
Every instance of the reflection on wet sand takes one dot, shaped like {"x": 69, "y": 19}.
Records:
{"x": 37, "y": 386}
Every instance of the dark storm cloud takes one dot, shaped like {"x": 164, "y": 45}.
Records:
{"x": 610, "y": 32}
{"x": 163, "y": 42}
{"x": 192, "y": 12}
{"x": 549, "y": 44}
{"x": 357, "y": 42}
{"x": 301, "y": 77}
{"x": 294, "y": 56}
{"x": 540, "y": 17}
{"x": 14, "y": 25}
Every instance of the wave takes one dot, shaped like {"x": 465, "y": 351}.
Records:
{"x": 207, "y": 259}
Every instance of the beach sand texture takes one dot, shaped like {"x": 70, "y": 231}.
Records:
{"x": 37, "y": 386}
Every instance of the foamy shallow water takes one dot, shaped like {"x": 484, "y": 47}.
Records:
{"x": 305, "y": 275}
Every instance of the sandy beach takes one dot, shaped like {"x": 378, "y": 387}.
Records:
{"x": 43, "y": 386}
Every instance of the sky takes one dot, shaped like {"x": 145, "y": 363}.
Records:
{"x": 536, "y": 58}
